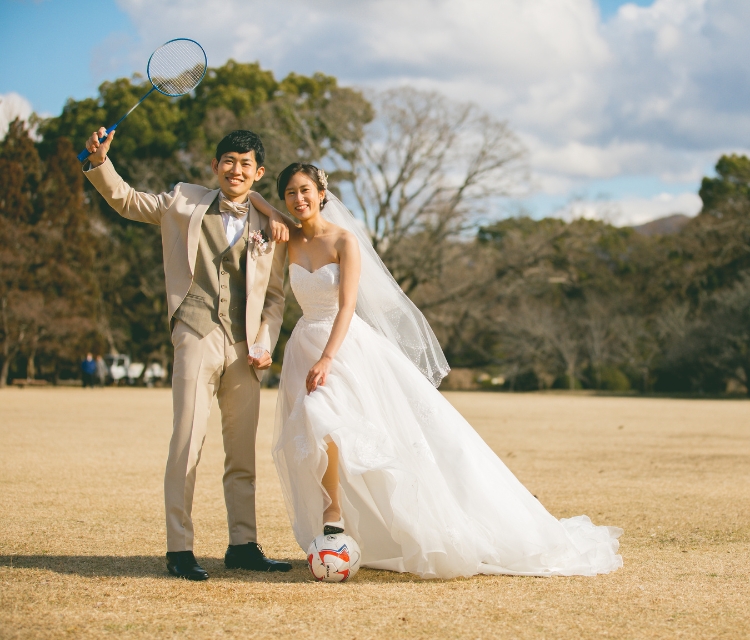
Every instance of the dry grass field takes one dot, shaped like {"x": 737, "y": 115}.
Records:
{"x": 82, "y": 534}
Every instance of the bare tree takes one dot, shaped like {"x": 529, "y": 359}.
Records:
{"x": 527, "y": 344}
{"x": 598, "y": 337}
{"x": 564, "y": 334}
{"x": 425, "y": 170}
{"x": 546, "y": 340}
{"x": 638, "y": 344}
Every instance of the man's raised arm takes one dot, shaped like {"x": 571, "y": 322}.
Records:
{"x": 129, "y": 203}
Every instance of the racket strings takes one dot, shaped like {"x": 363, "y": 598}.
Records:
{"x": 177, "y": 67}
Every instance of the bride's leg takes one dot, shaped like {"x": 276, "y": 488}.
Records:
{"x": 331, "y": 483}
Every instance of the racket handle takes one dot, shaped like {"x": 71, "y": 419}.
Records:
{"x": 84, "y": 155}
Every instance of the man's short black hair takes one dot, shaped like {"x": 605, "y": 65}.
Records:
{"x": 242, "y": 141}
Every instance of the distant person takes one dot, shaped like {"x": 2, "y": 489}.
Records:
{"x": 101, "y": 371}
{"x": 88, "y": 371}
{"x": 224, "y": 275}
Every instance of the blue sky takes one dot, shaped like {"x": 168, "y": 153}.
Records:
{"x": 47, "y": 48}
{"x": 619, "y": 105}
{"x": 58, "y": 39}
{"x": 609, "y": 8}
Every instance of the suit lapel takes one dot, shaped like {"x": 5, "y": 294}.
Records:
{"x": 253, "y": 224}
{"x": 194, "y": 228}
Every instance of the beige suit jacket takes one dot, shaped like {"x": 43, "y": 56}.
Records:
{"x": 180, "y": 214}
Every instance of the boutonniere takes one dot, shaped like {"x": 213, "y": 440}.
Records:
{"x": 261, "y": 244}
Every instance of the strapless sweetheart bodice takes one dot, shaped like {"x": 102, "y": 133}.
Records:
{"x": 317, "y": 292}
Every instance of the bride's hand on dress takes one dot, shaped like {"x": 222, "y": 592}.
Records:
{"x": 318, "y": 373}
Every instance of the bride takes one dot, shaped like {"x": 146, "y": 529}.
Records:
{"x": 365, "y": 443}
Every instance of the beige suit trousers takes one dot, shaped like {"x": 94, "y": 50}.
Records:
{"x": 204, "y": 368}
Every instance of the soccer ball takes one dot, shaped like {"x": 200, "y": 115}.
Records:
{"x": 333, "y": 558}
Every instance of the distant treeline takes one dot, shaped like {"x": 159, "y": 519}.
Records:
{"x": 541, "y": 304}
{"x": 588, "y": 305}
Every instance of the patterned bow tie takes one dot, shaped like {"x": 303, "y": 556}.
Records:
{"x": 236, "y": 209}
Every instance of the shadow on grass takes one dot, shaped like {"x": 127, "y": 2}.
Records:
{"x": 155, "y": 567}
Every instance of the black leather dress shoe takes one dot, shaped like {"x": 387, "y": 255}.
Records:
{"x": 250, "y": 556}
{"x": 184, "y": 565}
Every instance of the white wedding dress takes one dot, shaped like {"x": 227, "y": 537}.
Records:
{"x": 420, "y": 490}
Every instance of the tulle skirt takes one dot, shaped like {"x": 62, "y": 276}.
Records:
{"x": 421, "y": 491}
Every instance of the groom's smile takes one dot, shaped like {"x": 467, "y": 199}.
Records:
{"x": 236, "y": 173}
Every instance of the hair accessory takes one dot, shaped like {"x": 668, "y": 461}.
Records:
{"x": 323, "y": 178}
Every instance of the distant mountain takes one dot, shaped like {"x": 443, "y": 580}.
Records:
{"x": 663, "y": 226}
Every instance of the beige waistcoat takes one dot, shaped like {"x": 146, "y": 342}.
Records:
{"x": 217, "y": 294}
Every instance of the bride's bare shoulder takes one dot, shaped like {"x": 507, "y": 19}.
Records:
{"x": 345, "y": 240}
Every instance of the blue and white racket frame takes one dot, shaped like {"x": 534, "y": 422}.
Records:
{"x": 83, "y": 156}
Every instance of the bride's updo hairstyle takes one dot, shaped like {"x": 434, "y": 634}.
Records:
{"x": 310, "y": 170}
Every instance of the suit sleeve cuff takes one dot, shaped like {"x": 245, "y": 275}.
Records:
{"x": 263, "y": 338}
{"x": 95, "y": 174}
{"x": 88, "y": 167}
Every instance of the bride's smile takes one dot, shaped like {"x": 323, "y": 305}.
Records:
{"x": 302, "y": 197}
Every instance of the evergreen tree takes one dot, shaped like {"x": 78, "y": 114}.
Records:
{"x": 46, "y": 258}
{"x": 20, "y": 303}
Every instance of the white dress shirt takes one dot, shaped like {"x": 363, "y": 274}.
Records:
{"x": 233, "y": 227}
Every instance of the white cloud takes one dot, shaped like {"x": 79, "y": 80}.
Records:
{"x": 681, "y": 73}
{"x": 12, "y": 106}
{"x": 592, "y": 161}
{"x": 634, "y": 211}
{"x": 639, "y": 210}
{"x": 655, "y": 91}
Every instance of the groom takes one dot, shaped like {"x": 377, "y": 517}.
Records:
{"x": 224, "y": 287}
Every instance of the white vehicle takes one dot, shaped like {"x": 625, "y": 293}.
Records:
{"x": 154, "y": 373}
{"x": 135, "y": 369}
{"x": 120, "y": 368}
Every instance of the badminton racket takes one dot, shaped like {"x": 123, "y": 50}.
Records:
{"x": 174, "y": 69}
